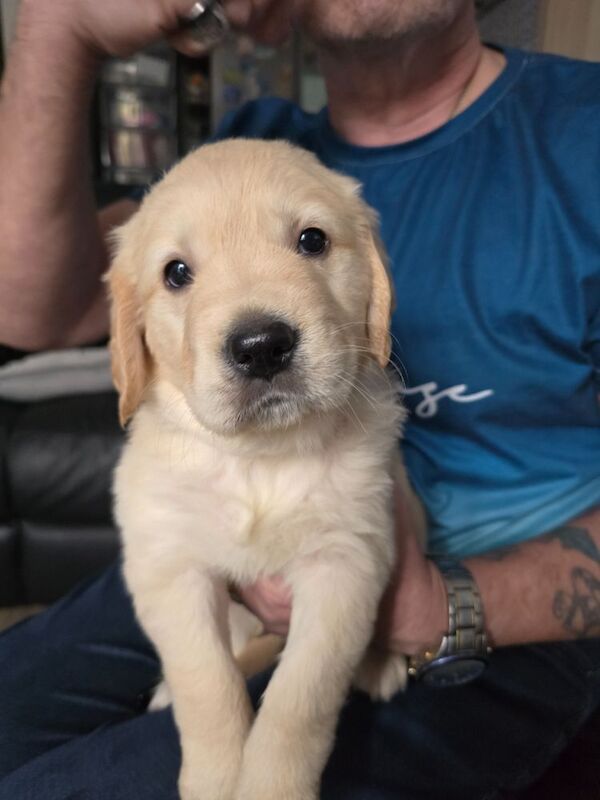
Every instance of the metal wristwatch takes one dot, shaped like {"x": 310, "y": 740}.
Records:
{"x": 463, "y": 654}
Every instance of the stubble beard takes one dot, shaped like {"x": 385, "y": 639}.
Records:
{"x": 372, "y": 25}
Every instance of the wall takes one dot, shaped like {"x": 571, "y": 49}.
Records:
{"x": 513, "y": 23}
{"x": 567, "y": 27}
{"x": 570, "y": 27}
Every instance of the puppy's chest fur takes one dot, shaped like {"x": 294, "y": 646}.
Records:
{"x": 183, "y": 497}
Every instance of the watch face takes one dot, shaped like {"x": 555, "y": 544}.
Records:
{"x": 453, "y": 672}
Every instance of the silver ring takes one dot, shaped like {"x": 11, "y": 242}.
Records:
{"x": 206, "y": 23}
{"x": 196, "y": 11}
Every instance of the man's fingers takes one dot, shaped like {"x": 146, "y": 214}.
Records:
{"x": 239, "y": 12}
{"x": 184, "y": 42}
{"x": 267, "y": 21}
{"x": 280, "y": 592}
{"x": 270, "y": 600}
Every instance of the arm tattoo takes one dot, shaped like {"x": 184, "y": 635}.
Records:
{"x": 579, "y": 611}
{"x": 578, "y": 607}
{"x": 572, "y": 538}
{"x": 500, "y": 553}
{"x": 569, "y": 536}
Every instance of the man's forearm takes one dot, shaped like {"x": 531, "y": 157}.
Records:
{"x": 547, "y": 589}
{"x": 52, "y": 251}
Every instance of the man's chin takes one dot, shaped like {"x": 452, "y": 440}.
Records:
{"x": 341, "y": 26}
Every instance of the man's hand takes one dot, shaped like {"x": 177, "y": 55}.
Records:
{"x": 413, "y": 612}
{"x": 546, "y": 589}
{"x": 110, "y": 28}
{"x": 270, "y": 599}
{"x": 266, "y": 21}
{"x": 55, "y": 298}
{"x": 121, "y": 27}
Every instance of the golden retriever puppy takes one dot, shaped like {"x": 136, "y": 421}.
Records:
{"x": 250, "y": 334}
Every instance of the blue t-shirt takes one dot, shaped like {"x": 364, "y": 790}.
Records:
{"x": 492, "y": 224}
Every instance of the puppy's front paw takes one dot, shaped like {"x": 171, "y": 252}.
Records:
{"x": 381, "y": 674}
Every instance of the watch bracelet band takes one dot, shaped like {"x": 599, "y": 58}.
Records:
{"x": 466, "y": 635}
{"x": 465, "y": 611}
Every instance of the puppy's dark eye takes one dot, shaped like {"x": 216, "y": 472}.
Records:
{"x": 177, "y": 275}
{"x": 312, "y": 242}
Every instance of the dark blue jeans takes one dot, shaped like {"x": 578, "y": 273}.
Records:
{"x": 75, "y": 680}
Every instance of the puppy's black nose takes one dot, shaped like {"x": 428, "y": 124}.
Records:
{"x": 262, "y": 348}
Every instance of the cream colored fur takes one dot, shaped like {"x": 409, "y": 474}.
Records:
{"x": 214, "y": 487}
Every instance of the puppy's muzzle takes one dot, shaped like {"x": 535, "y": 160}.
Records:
{"x": 261, "y": 347}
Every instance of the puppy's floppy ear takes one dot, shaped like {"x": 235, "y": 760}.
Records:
{"x": 381, "y": 300}
{"x": 131, "y": 363}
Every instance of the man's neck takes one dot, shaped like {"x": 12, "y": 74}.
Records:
{"x": 409, "y": 89}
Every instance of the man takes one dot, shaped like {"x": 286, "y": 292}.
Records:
{"x": 478, "y": 163}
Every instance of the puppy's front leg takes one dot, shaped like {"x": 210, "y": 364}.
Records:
{"x": 334, "y": 608}
{"x": 185, "y": 615}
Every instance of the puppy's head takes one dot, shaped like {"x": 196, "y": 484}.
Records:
{"x": 252, "y": 281}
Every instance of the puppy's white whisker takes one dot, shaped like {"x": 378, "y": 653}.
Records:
{"x": 403, "y": 379}
{"x": 345, "y": 325}
{"x": 355, "y": 415}
{"x": 395, "y": 351}
{"x": 353, "y": 385}
{"x": 367, "y": 394}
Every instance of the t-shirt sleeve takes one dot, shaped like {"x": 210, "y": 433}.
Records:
{"x": 227, "y": 127}
{"x": 265, "y": 118}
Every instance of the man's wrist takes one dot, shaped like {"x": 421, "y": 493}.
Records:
{"x": 438, "y": 621}
{"x": 463, "y": 651}
{"x": 429, "y": 617}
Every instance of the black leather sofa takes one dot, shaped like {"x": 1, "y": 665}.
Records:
{"x": 56, "y": 463}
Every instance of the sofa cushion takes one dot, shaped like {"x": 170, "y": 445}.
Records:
{"x": 11, "y": 590}
{"x": 8, "y": 414}
{"x": 60, "y": 460}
